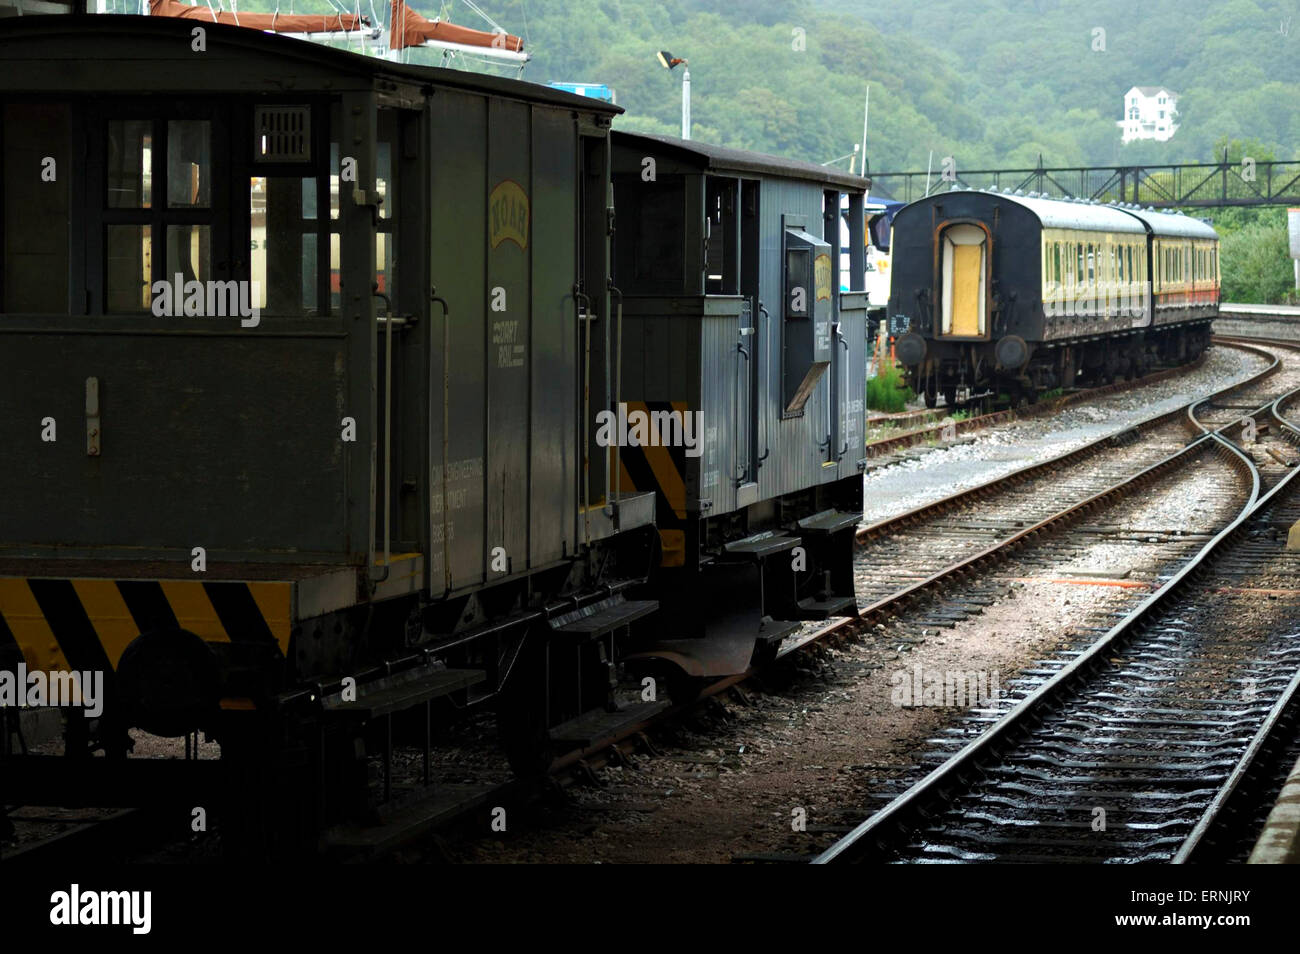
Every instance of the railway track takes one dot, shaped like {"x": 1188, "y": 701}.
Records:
{"x": 1165, "y": 455}
{"x": 917, "y": 546}
{"x": 954, "y": 538}
{"x": 885, "y": 447}
{"x": 1154, "y": 744}
{"x": 1162, "y": 440}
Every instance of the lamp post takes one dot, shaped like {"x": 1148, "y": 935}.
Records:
{"x": 668, "y": 61}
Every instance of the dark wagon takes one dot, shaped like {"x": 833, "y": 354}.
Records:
{"x": 304, "y": 362}
{"x": 290, "y": 379}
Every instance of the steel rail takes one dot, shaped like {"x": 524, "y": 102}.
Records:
{"x": 895, "y": 523}
{"x": 1289, "y": 697}
{"x": 871, "y": 835}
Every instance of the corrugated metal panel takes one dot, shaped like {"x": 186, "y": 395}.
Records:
{"x": 719, "y": 392}
{"x": 508, "y": 330}
{"x": 554, "y": 400}
{"x": 458, "y": 144}
{"x": 853, "y": 328}
{"x": 794, "y": 446}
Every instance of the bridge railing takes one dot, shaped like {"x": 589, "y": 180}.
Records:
{"x": 1160, "y": 186}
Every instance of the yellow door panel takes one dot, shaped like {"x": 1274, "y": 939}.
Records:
{"x": 966, "y": 261}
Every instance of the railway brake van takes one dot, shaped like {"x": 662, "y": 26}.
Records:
{"x": 290, "y": 406}
{"x": 726, "y": 270}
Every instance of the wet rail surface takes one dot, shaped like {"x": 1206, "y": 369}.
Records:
{"x": 1157, "y": 743}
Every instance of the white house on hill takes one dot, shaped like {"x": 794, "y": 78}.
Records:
{"x": 1149, "y": 113}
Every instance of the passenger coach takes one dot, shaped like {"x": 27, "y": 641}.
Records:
{"x": 1021, "y": 294}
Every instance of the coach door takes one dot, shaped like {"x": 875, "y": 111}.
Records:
{"x": 965, "y": 267}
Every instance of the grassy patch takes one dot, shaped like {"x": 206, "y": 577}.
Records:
{"x": 886, "y": 391}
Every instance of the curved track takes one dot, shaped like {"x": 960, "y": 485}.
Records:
{"x": 1132, "y": 751}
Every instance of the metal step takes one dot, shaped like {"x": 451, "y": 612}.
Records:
{"x": 603, "y": 617}
{"x": 401, "y": 691}
{"x": 772, "y": 631}
{"x": 828, "y": 522}
{"x": 446, "y": 801}
{"x": 758, "y": 548}
{"x": 825, "y": 609}
{"x": 592, "y": 727}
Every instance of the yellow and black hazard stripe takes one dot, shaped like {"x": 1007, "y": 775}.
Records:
{"x": 663, "y": 470}
{"x": 86, "y": 624}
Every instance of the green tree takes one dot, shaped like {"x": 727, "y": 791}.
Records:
{"x": 1256, "y": 266}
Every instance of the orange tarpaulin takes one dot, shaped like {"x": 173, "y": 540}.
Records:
{"x": 279, "y": 22}
{"x": 411, "y": 29}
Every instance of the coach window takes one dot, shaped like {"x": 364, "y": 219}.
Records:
{"x": 721, "y": 241}
{"x": 385, "y": 237}
{"x": 295, "y": 209}
{"x": 157, "y": 206}
{"x": 283, "y": 244}
{"x": 36, "y": 165}
{"x": 649, "y": 258}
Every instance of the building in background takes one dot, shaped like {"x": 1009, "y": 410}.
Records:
{"x": 594, "y": 90}
{"x": 1149, "y": 113}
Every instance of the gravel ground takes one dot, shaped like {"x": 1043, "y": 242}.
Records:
{"x": 734, "y": 779}
{"x": 893, "y": 488}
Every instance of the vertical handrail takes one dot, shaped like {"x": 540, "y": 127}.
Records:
{"x": 388, "y": 441}
{"x": 615, "y": 470}
{"x": 767, "y": 373}
{"x": 446, "y": 423}
{"x": 580, "y": 297}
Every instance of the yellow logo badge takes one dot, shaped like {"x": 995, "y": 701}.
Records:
{"x": 508, "y": 214}
{"x": 822, "y": 275}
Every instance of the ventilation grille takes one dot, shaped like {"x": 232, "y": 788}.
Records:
{"x": 282, "y": 134}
